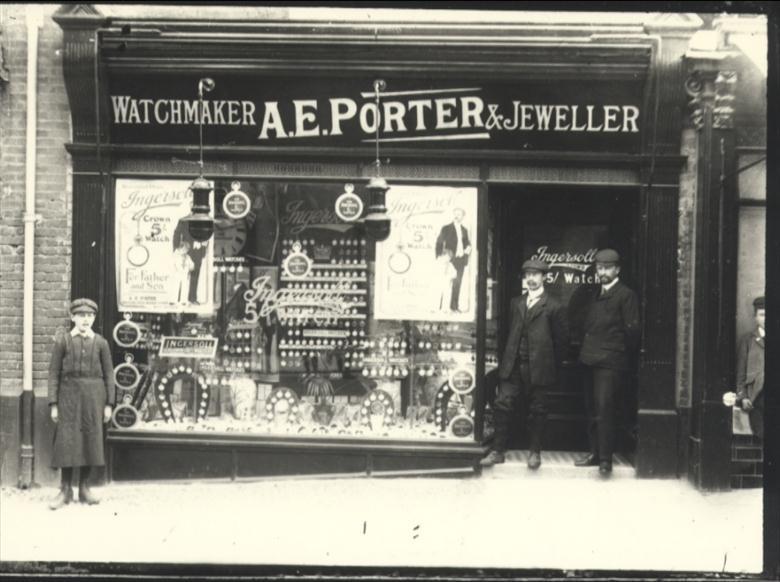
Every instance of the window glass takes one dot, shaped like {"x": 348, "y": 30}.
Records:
{"x": 290, "y": 319}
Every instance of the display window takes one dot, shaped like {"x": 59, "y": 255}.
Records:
{"x": 290, "y": 319}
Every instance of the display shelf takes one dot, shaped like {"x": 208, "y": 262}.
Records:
{"x": 313, "y": 279}
{"x": 325, "y": 266}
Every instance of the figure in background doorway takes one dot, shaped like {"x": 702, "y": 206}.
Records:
{"x": 81, "y": 394}
{"x": 535, "y": 349}
{"x": 610, "y": 341}
{"x": 453, "y": 243}
{"x": 750, "y": 370}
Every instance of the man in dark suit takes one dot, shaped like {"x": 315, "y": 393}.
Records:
{"x": 536, "y": 346}
{"x": 750, "y": 370}
{"x": 610, "y": 342}
{"x": 453, "y": 241}
{"x": 183, "y": 242}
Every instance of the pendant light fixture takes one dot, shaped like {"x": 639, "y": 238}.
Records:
{"x": 200, "y": 222}
{"x": 376, "y": 222}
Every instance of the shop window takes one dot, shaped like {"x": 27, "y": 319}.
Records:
{"x": 290, "y": 320}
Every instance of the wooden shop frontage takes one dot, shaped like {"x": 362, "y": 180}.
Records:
{"x": 274, "y": 310}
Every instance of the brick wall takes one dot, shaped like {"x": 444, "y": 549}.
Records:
{"x": 52, "y": 235}
{"x": 747, "y": 462}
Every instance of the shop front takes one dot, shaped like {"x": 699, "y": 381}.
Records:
{"x": 284, "y": 316}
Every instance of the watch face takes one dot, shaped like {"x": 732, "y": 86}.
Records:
{"x": 229, "y": 240}
{"x": 399, "y": 262}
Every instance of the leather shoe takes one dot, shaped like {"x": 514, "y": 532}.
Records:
{"x": 605, "y": 468}
{"x": 534, "y": 460}
{"x": 494, "y": 458}
{"x": 86, "y": 496}
{"x": 64, "y": 497}
{"x": 587, "y": 461}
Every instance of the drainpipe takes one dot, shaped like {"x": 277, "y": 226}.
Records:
{"x": 26, "y": 472}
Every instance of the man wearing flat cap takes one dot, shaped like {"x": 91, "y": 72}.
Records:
{"x": 750, "y": 370}
{"x": 81, "y": 394}
{"x": 537, "y": 343}
{"x": 610, "y": 341}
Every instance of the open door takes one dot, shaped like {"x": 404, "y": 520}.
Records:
{"x": 564, "y": 226}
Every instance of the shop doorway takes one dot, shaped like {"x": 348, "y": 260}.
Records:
{"x": 564, "y": 224}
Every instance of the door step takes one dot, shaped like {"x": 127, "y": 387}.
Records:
{"x": 558, "y": 464}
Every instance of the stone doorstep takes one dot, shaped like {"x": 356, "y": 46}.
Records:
{"x": 556, "y": 464}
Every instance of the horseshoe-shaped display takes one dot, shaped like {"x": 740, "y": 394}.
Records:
{"x": 164, "y": 391}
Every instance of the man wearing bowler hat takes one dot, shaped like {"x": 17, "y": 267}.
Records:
{"x": 611, "y": 338}
{"x": 534, "y": 351}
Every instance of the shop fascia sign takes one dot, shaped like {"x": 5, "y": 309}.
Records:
{"x": 507, "y": 115}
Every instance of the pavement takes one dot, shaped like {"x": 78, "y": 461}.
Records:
{"x": 560, "y": 517}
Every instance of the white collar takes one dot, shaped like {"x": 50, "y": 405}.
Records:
{"x": 534, "y": 295}
{"x": 761, "y": 331}
{"x": 89, "y": 333}
{"x": 609, "y": 286}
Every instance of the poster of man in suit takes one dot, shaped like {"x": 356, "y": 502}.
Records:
{"x": 426, "y": 269}
{"x": 453, "y": 245}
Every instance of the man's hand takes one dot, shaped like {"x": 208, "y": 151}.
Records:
{"x": 747, "y": 404}
{"x": 106, "y": 413}
{"x": 54, "y": 413}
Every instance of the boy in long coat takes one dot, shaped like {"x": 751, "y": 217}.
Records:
{"x": 81, "y": 394}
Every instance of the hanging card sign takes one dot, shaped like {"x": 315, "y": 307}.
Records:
{"x": 127, "y": 333}
{"x": 461, "y": 381}
{"x": 126, "y": 374}
{"x": 160, "y": 267}
{"x": 297, "y": 265}
{"x": 462, "y": 426}
{"x": 125, "y": 415}
{"x": 349, "y": 206}
{"x": 236, "y": 203}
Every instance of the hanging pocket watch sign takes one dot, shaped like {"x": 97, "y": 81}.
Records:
{"x": 461, "y": 381}
{"x": 349, "y": 206}
{"x": 236, "y": 204}
{"x": 126, "y": 374}
{"x": 462, "y": 426}
{"x": 127, "y": 333}
{"x": 297, "y": 265}
{"x": 125, "y": 415}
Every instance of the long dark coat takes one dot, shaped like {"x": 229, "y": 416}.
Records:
{"x": 447, "y": 241}
{"x": 81, "y": 383}
{"x": 548, "y": 338}
{"x": 750, "y": 366}
{"x": 611, "y": 329}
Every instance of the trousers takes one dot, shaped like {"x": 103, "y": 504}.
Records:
{"x": 601, "y": 386}
{"x": 518, "y": 387}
